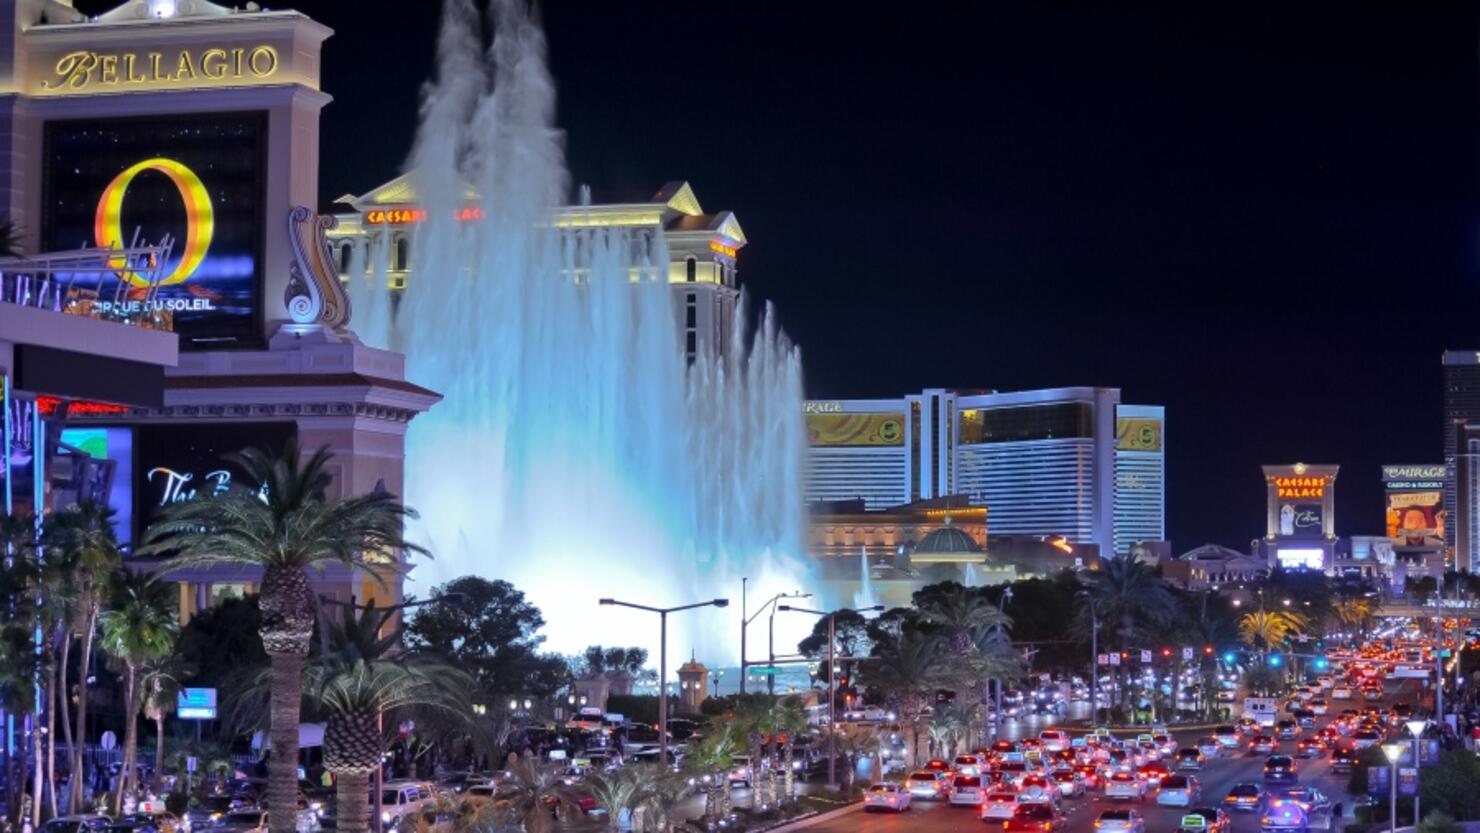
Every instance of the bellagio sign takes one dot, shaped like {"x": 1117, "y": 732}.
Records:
{"x": 88, "y": 71}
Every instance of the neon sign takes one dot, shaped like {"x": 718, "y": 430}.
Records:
{"x": 402, "y": 216}
{"x": 178, "y": 488}
{"x": 200, "y": 220}
{"x": 721, "y": 248}
{"x": 84, "y": 68}
{"x": 1299, "y": 487}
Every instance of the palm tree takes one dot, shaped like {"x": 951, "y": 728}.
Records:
{"x": 1267, "y": 629}
{"x": 622, "y": 792}
{"x": 708, "y": 760}
{"x": 10, "y": 238}
{"x": 82, "y": 537}
{"x": 665, "y": 791}
{"x": 753, "y": 716}
{"x": 1355, "y": 612}
{"x": 138, "y": 628}
{"x": 283, "y": 522}
{"x": 161, "y": 685}
{"x": 532, "y": 794}
{"x": 972, "y": 626}
{"x": 911, "y": 667}
{"x": 788, "y": 720}
{"x": 855, "y": 742}
{"x": 364, "y": 676}
{"x": 18, "y": 661}
{"x": 1130, "y": 596}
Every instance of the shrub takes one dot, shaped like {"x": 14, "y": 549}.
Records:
{"x": 1439, "y": 822}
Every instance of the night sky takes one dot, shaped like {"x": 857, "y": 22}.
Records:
{"x": 1260, "y": 216}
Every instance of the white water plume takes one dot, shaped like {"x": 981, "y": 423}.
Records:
{"x": 577, "y": 454}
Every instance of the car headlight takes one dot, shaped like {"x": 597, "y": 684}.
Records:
{"x": 385, "y": 817}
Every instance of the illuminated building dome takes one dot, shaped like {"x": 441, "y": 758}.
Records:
{"x": 947, "y": 543}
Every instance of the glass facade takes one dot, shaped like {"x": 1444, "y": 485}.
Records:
{"x": 1057, "y": 421}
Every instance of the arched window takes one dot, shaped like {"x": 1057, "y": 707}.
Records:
{"x": 403, "y": 254}
{"x": 692, "y": 270}
{"x": 345, "y": 253}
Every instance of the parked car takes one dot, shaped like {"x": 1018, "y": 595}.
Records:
{"x": 887, "y": 796}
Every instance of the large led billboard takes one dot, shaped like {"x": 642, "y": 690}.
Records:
{"x": 836, "y": 429}
{"x": 194, "y": 179}
{"x": 101, "y": 470}
{"x": 1414, "y": 503}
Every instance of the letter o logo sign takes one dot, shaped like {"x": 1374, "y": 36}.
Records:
{"x": 200, "y": 221}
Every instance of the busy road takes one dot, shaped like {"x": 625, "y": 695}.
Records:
{"x": 1216, "y": 778}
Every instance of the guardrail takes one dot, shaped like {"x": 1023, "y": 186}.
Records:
{"x": 68, "y": 282}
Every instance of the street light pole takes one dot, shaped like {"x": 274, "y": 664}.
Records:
{"x": 663, "y": 661}
{"x": 832, "y": 684}
{"x": 745, "y": 626}
{"x": 1393, "y": 751}
{"x": 1415, "y": 728}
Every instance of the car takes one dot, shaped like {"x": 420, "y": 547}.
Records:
{"x": 1311, "y": 800}
{"x": 1093, "y": 780}
{"x": 1228, "y": 737}
{"x": 1179, "y": 791}
{"x": 89, "y": 823}
{"x": 1189, "y": 759}
{"x": 1036, "y": 789}
{"x": 1284, "y": 818}
{"x": 1341, "y": 693}
{"x": 740, "y": 772}
{"x": 1167, "y": 743}
{"x": 1309, "y": 748}
{"x": 403, "y": 798}
{"x": 1365, "y": 738}
{"x": 1126, "y": 785}
{"x": 1209, "y": 746}
{"x": 1261, "y": 745}
{"x": 1342, "y": 759}
{"x": 1054, "y": 740}
{"x": 937, "y": 765}
{"x": 886, "y": 796}
{"x": 966, "y": 791}
{"x": 999, "y": 805}
{"x": 242, "y": 820}
{"x": 1035, "y": 817}
{"x": 1152, "y": 773}
{"x": 1372, "y": 694}
{"x": 1319, "y": 705}
{"x": 1279, "y": 768}
{"x": 1071, "y": 783}
{"x": 1286, "y": 730}
{"x": 967, "y": 765}
{"x": 1246, "y": 797}
{"x": 1204, "y": 820}
{"x": 926, "y": 783}
{"x": 1120, "y": 821}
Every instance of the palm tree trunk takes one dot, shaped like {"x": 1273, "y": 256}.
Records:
{"x": 159, "y": 747}
{"x": 38, "y": 772}
{"x": 90, "y": 625}
{"x": 63, "y": 710}
{"x": 352, "y": 801}
{"x": 52, "y": 697}
{"x": 129, "y": 773}
{"x": 282, "y": 774}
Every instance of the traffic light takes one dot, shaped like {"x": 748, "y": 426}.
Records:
{"x": 1274, "y": 660}
{"x": 1320, "y": 663}
{"x": 1208, "y": 649}
{"x": 1230, "y": 657}
{"x": 1166, "y": 653}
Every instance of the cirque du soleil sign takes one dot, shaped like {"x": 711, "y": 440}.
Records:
{"x": 86, "y": 70}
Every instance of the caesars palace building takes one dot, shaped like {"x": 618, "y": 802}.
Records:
{"x": 180, "y": 298}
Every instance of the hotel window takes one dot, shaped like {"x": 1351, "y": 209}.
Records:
{"x": 693, "y": 343}
{"x": 691, "y": 267}
{"x": 403, "y": 254}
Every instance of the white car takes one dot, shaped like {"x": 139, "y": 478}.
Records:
{"x": 1318, "y": 706}
{"x": 926, "y": 783}
{"x": 1070, "y": 783}
{"x": 1342, "y": 693}
{"x": 1054, "y": 740}
{"x": 966, "y": 791}
{"x": 402, "y": 798}
{"x": 1120, "y": 821}
{"x": 999, "y": 806}
{"x": 1179, "y": 791}
{"x": 1125, "y": 785}
{"x": 967, "y": 765}
{"x": 886, "y": 796}
{"x": 740, "y": 770}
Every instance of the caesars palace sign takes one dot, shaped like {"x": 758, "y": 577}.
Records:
{"x": 88, "y": 71}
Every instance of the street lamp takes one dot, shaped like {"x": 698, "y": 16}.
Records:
{"x": 1393, "y": 751}
{"x": 1094, "y": 658}
{"x": 719, "y": 674}
{"x": 663, "y": 660}
{"x": 832, "y": 683}
{"x": 745, "y": 627}
{"x": 1415, "y": 728}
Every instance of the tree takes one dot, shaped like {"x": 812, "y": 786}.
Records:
{"x": 1268, "y": 628}
{"x": 82, "y": 536}
{"x": 360, "y": 678}
{"x": 222, "y": 639}
{"x": 137, "y": 629}
{"x": 708, "y": 759}
{"x": 972, "y": 627}
{"x": 1449, "y": 787}
{"x": 10, "y": 238}
{"x": 1133, "y": 602}
{"x": 283, "y": 522}
{"x": 910, "y": 668}
{"x": 1263, "y": 681}
{"x": 161, "y": 685}
{"x": 490, "y": 631}
{"x": 622, "y": 792}
{"x": 18, "y": 661}
{"x": 533, "y": 793}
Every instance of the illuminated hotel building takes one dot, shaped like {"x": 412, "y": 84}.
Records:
{"x": 182, "y": 137}
{"x": 1462, "y": 457}
{"x": 378, "y": 230}
{"x": 1070, "y": 462}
